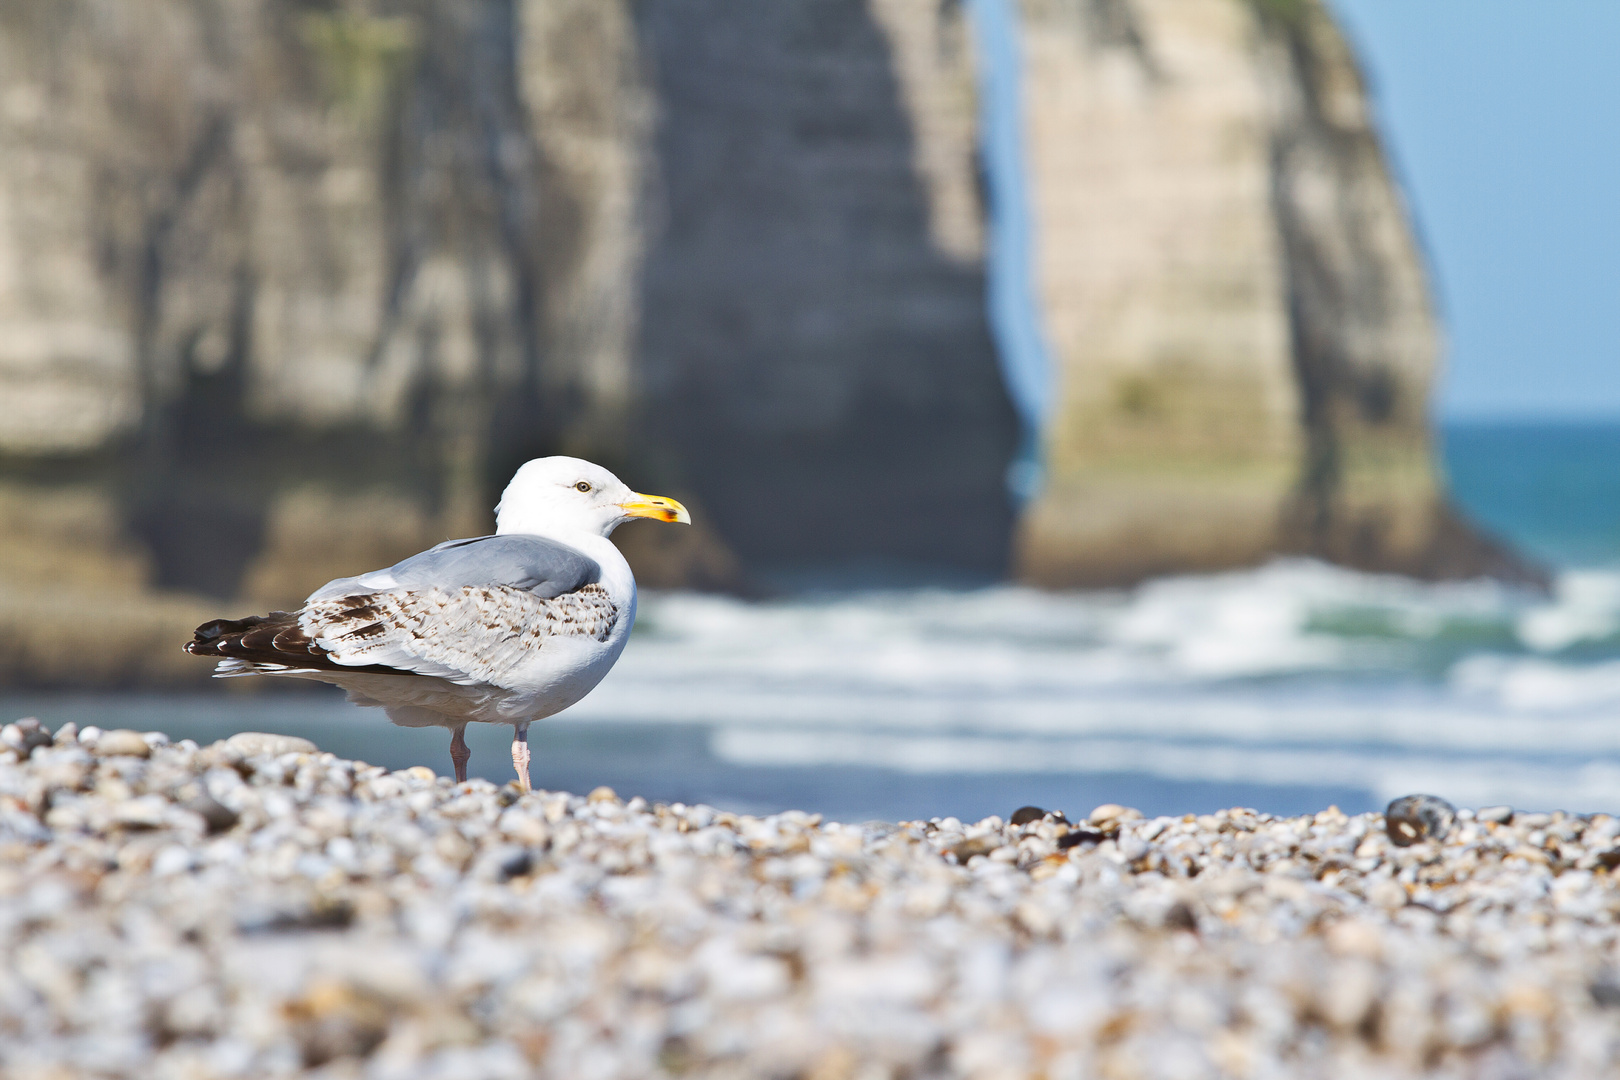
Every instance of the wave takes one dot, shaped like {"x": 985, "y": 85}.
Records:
{"x": 1289, "y": 619}
{"x": 1295, "y": 672}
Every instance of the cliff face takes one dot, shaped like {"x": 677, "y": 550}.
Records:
{"x": 291, "y": 246}
{"x": 1243, "y": 329}
{"x": 265, "y": 262}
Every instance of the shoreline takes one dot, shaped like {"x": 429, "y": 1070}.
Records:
{"x": 257, "y": 907}
{"x": 855, "y": 766}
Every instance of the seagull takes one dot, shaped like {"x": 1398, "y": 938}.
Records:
{"x": 502, "y": 629}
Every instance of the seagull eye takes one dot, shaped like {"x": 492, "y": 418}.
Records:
{"x": 582, "y": 486}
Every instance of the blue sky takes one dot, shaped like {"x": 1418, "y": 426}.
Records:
{"x": 1503, "y": 121}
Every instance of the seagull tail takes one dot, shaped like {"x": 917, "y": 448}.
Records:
{"x": 273, "y": 644}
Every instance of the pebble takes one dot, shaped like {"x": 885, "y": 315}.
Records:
{"x": 1108, "y": 812}
{"x": 122, "y": 742}
{"x": 1412, "y": 819}
{"x": 259, "y": 908}
{"x": 255, "y": 743}
{"x": 24, "y": 736}
{"x": 1026, "y": 814}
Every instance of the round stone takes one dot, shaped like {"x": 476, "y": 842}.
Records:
{"x": 1414, "y": 818}
{"x": 121, "y": 742}
{"x": 264, "y": 744}
{"x": 1026, "y": 814}
{"x": 1108, "y": 812}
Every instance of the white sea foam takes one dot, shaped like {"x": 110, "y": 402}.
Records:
{"x": 1586, "y": 608}
{"x": 1291, "y": 618}
{"x": 1537, "y": 685}
{"x": 1292, "y": 673}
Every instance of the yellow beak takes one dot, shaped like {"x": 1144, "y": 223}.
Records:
{"x": 656, "y": 507}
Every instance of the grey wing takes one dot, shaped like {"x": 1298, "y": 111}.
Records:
{"x": 534, "y": 564}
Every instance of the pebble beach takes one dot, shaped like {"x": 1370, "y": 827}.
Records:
{"x": 259, "y": 908}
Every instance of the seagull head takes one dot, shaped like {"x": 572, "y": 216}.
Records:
{"x": 554, "y": 495}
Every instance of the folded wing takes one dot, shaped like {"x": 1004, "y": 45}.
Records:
{"x": 468, "y": 611}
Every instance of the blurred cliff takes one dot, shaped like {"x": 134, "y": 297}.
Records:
{"x": 288, "y": 288}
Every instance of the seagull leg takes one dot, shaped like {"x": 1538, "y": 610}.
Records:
{"x": 520, "y": 754}
{"x": 459, "y": 752}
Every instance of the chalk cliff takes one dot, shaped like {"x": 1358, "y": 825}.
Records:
{"x": 1245, "y": 337}
{"x": 309, "y": 277}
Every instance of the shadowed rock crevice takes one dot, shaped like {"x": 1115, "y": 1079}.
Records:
{"x": 815, "y": 366}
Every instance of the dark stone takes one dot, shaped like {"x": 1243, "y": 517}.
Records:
{"x": 1414, "y": 818}
{"x": 31, "y": 736}
{"x": 284, "y": 915}
{"x": 1605, "y": 989}
{"x": 1076, "y": 837}
{"x": 1026, "y": 814}
{"x": 1180, "y": 917}
{"x": 218, "y": 816}
{"x": 515, "y": 865}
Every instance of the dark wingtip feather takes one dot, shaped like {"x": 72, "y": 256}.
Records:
{"x": 225, "y": 637}
{"x": 274, "y": 639}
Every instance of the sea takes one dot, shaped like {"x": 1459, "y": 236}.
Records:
{"x": 1286, "y": 687}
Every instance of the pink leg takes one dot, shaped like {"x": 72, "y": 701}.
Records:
{"x": 459, "y": 752}
{"x": 520, "y": 755}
